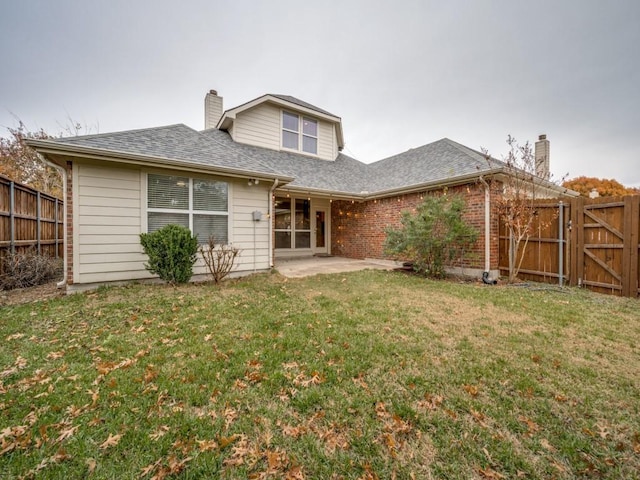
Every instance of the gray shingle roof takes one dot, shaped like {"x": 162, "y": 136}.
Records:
{"x": 435, "y": 162}
{"x": 344, "y": 174}
{"x": 440, "y": 161}
{"x": 173, "y": 142}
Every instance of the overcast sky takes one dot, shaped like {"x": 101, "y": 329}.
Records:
{"x": 400, "y": 74}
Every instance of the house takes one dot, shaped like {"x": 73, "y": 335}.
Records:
{"x": 268, "y": 176}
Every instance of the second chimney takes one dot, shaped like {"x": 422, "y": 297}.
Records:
{"x": 542, "y": 157}
{"x": 212, "y": 109}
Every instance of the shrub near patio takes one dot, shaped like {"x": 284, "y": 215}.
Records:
{"x": 362, "y": 375}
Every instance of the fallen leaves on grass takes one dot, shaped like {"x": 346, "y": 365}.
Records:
{"x": 111, "y": 441}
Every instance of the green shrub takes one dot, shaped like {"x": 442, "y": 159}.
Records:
{"x": 172, "y": 253}
{"x": 433, "y": 237}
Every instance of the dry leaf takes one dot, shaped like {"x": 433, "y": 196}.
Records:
{"x": 64, "y": 434}
{"x": 489, "y": 473}
{"x": 160, "y": 432}
{"x": 91, "y": 464}
{"x": 471, "y": 390}
{"x": 111, "y": 441}
{"x": 546, "y": 445}
{"x": 207, "y": 445}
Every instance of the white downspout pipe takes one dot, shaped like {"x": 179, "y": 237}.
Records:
{"x": 487, "y": 233}
{"x": 270, "y": 218}
{"x": 63, "y": 173}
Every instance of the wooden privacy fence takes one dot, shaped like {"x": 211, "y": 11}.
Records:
{"x": 29, "y": 219}
{"x": 593, "y": 243}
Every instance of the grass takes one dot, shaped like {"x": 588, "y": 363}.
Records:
{"x": 363, "y": 375}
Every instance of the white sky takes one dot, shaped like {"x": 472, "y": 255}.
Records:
{"x": 400, "y": 73}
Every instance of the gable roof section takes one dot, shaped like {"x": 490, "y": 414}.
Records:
{"x": 440, "y": 161}
{"x": 286, "y": 101}
{"x": 177, "y": 145}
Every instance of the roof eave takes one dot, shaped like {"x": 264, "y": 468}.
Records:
{"x": 423, "y": 186}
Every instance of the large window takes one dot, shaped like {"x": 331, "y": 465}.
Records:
{"x": 299, "y": 133}
{"x": 200, "y": 205}
{"x": 296, "y": 233}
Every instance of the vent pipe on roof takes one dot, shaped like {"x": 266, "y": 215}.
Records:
{"x": 542, "y": 157}
{"x": 212, "y": 109}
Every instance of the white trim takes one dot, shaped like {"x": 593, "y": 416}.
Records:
{"x": 327, "y": 237}
{"x": 293, "y": 230}
{"x": 76, "y": 221}
{"x": 300, "y": 133}
{"x": 190, "y": 210}
{"x": 144, "y": 185}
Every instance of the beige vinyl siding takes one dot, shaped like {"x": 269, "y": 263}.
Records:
{"x": 326, "y": 141}
{"x": 258, "y": 126}
{"x": 111, "y": 213}
{"x": 248, "y": 199}
{"x": 107, "y": 243}
{"x": 262, "y": 126}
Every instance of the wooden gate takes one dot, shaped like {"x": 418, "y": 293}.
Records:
{"x": 593, "y": 243}
{"x": 606, "y": 232}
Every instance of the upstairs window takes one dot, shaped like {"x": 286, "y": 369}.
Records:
{"x": 299, "y": 133}
{"x": 198, "y": 204}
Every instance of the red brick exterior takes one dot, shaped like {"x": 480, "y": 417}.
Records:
{"x": 69, "y": 213}
{"x": 358, "y": 228}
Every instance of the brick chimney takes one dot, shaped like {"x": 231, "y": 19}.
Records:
{"x": 212, "y": 109}
{"x": 542, "y": 157}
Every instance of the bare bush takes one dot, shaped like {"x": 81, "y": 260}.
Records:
{"x": 219, "y": 259}
{"x": 27, "y": 269}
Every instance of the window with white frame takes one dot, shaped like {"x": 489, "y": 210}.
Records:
{"x": 299, "y": 133}
{"x": 198, "y": 204}
{"x": 292, "y": 223}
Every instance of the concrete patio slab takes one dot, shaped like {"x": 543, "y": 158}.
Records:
{"x": 307, "y": 266}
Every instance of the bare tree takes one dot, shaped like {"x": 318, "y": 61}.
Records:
{"x": 518, "y": 190}
{"x": 22, "y": 164}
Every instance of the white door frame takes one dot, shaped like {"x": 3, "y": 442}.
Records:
{"x": 325, "y": 249}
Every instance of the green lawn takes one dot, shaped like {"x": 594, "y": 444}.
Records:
{"x": 363, "y": 375}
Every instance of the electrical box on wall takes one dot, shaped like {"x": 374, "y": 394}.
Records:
{"x": 257, "y": 215}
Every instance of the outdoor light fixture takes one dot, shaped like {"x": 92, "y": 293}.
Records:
{"x": 253, "y": 181}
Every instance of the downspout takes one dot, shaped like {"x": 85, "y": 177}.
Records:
{"x": 487, "y": 233}
{"x": 270, "y": 217}
{"x": 63, "y": 173}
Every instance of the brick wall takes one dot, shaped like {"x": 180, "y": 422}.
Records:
{"x": 358, "y": 228}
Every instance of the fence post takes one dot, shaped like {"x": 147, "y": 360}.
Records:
{"x": 577, "y": 240}
{"x": 630, "y": 248}
{"x": 561, "y": 243}
{"x": 38, "y": 225}
{"x": 12, "y": 218}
